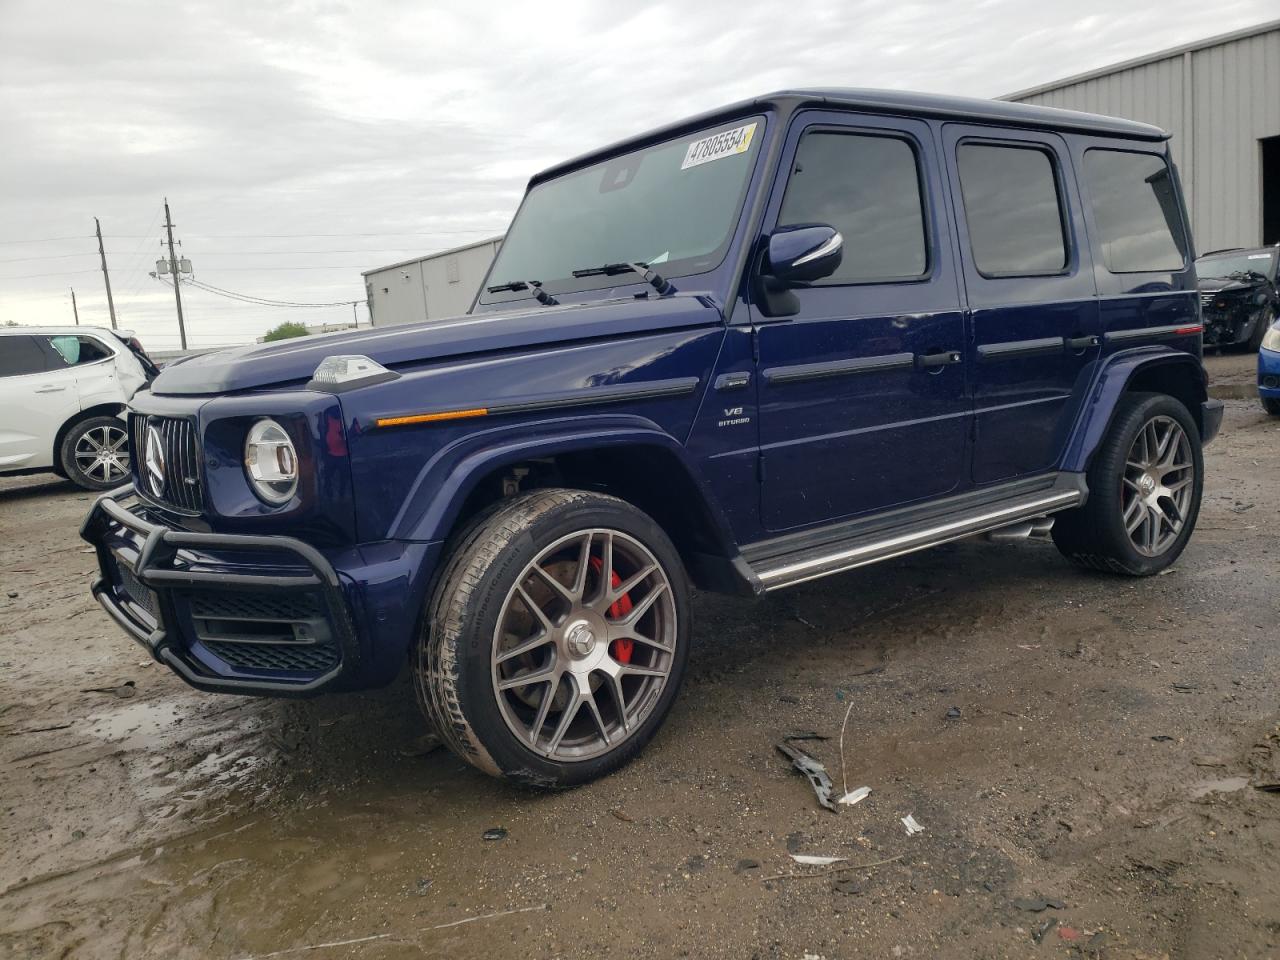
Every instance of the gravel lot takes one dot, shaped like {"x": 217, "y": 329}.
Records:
{"x": 1111, "y": 739}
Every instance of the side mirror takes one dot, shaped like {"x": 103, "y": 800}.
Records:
{"x": 804, "y": 253}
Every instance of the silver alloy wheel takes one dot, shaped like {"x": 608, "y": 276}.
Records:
{"x": 102, "y": 454}
{"x": 1159, "y": 473}
{"x": 584, "y": 645}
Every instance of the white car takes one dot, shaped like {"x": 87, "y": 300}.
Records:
{"x": 63, "y": 392}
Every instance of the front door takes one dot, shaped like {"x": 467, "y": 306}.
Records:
{"x": 36, "y": 398}
{"x": 862, "y": 402}
{"x": 1031, "y": 294}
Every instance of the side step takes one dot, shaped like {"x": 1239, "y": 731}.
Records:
{"x": 1018, "y": 513}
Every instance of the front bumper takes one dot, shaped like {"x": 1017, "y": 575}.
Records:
{"x": 229, "y": 613}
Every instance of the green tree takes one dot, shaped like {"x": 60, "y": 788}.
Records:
{"x": 285, "y": 331}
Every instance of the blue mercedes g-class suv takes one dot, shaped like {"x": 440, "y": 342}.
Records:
{"x": 774, "y": 342}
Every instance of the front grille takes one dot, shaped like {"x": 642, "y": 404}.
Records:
{"x": 275, "y": 656}
{"x": 182, "y": 487}
{"x": 255, "y": 606}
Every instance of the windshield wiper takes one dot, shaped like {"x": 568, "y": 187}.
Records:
{"x": 651, "y": 277}
{"x": 534, "y": 286}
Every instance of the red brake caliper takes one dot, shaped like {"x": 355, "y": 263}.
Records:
{"x": 622, "y": 648}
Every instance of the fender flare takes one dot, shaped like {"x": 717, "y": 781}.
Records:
{"x": 1111, "y": 382}
{"x": 433, "y": 505}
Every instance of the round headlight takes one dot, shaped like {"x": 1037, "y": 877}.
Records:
{"x": 271, "y": 462}
{"x": 1271, "y": 339}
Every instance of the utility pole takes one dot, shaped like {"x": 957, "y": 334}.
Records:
{"x": 173, "y": 271}
{"x": 105, "y": 276}
{"x": 74, "y": 308}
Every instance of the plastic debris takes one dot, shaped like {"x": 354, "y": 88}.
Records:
{"x": 494, "y": 833}
{"x": 855, "y": 796}
{"x": 814, "y": 771}
{"x": 1043, "y": 929}
{"x": 912, "y": 826}
{"x": 953, "y": 713}
{"x": 812, "y": 861}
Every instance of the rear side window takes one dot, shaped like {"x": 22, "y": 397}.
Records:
{"x": 78, "y": 350}
{"x": 868, "y": 188}
{"x": 1136, "y": 211}
{"x": 1013, "y": 208}
{"x": 20, "y": 355}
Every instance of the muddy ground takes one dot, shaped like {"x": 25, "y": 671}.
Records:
{"x": 1107, "y": 755}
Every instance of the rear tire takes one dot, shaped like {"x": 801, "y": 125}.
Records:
{"x": 1145, "y": 484}
{"x": 519, "y": 666}
{"x": 95, "y": 453}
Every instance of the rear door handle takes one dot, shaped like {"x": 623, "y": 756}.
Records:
{"x": 1082, "y": 343}
{"x": 929, "y": 361}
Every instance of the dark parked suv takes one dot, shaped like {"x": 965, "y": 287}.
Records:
{"x": 1239, "y": 295}
{"x": 774, "y": 342}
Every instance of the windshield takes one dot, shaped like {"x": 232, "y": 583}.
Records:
{"x": 672, "y": 206}
{"x": 1217, "y": 268}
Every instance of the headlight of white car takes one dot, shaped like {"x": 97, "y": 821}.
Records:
{"x": 271, "y": 462}
{"x": 1271, "y": 339}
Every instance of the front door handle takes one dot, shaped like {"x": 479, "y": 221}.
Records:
{"x": 934, "y": 361}
{"x": 1082, "y": 343}
{"x": 51, "y": 389}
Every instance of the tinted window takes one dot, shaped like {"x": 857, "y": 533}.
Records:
{"x": 1013, "y": 210}
{"x": 77, "y": 350}
{"x": 1135, "y": 210}
{"x": 19, "y": 355}
{"x": 868, "y": 188}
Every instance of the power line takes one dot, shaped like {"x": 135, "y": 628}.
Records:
{"x": 62, "y": 273}
{"x": 258, "y": 301}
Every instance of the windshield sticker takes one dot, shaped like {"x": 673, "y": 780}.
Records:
{"x": 719, "y": 145}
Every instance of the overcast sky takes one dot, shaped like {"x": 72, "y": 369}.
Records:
{"x": 301, "y": 143}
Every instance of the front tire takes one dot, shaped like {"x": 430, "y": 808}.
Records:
{"x": 556, "y": 638}
{"x": 1145, "y": 484}
{"x": 95, "y": 453}
{"x": 1271, "y": 405}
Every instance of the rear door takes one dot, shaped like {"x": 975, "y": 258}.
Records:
{"x": 1034, "y": 323}
{"x": 36, "y": 398}
{"x": 862, "y": 402}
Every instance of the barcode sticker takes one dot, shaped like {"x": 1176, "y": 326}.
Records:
{"x": 719, "y": 145}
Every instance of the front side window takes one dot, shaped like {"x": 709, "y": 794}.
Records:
{"x": 1135, "y": 210}
{"x": 1013, "y": 208}
{"x": 868, "y": 188}
{"x": 673, "y": 206}
{"x": 21, "y": 355}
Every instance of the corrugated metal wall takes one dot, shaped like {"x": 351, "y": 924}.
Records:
{"x": 433, "y": 288}
{"x": 1218, "y": 102}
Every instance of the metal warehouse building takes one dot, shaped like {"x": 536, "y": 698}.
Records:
{"x": 431, "y": 287}
{"x": 1220, "y": 98}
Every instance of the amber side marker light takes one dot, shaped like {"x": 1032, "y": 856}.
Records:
{"x": 431, "y": 417}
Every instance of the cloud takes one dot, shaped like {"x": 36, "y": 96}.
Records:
{"x": 376, "y": 131}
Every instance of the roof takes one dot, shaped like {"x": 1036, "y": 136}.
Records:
{"x": 433, "y": 256}
{"x": 64, "y": 331}
{"x": 1215, "y": 41}
{"x": 894, "y": 102}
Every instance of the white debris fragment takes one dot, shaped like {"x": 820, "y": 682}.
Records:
{"x": 912, "y": 826}
{"x": 810, "y": 861}
{"x": 855, "y": 796}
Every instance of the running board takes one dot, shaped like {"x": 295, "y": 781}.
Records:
{"x": 799, "y": 567}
